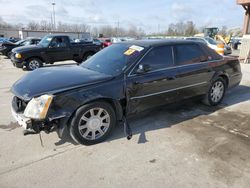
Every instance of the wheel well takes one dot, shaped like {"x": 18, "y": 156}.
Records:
{"x": 87, "y": 53}
{"x": 35, "y": 57}
{"x": 224, "y": 77}
{"x": 117, "y": 106}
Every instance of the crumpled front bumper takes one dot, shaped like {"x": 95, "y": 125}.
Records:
{"x": 23, "y": 121}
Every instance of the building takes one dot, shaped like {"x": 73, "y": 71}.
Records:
{"x": 22, "y": 34}
{"x": 245, "y": 44}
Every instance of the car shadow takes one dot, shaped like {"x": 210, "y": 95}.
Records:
{"x": 173, "y": 114}
{"x": 167, "y": 116}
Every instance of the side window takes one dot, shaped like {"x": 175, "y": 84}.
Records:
{"x": 58, "y": 42}
{"x": 159, "y": 57}
{"x": 189, "y": 54}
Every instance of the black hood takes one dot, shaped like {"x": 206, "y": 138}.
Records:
{"x": 56, "y": 79}
{"x": 8, "y": 43}
{"x": 23, "y": 49}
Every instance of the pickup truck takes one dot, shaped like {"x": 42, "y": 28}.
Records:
{"x": 50, "y": 49}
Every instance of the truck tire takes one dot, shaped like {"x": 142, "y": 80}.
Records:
{"x": 92, "y": 123}
{"x": 33, "y": 63}
{"x": 87, "y": 56}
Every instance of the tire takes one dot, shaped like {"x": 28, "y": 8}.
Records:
{"x": 216, "y": 92}
{"x": 88, "y": 128}
{"x": 33, "y": 63}
{"x": 88, "y": 55}
{"x": 9, "y": 55}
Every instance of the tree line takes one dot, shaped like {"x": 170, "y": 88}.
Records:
{"x": 187, "y": 28}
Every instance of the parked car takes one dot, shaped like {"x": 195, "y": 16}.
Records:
{"x": 2, "y": 39}
{"x": 220, "y": 48}
{"x": 7, "y": 46}
{"x": 119, "y": 81}
{"x": 13, "y": 39}
{"x": 105, "y": 42}
{"x": 97, "y": 42}
{"x": 117, "y": 39}
{"x": 50, "y": 49}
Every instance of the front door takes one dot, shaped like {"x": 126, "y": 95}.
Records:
{"x": 156, "y": 86}
{"x": 58, "y": 50}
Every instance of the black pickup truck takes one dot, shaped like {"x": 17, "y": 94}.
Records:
{"x": 50, "y": 49}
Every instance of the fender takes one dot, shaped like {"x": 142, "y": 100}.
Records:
{"x": 74, "y": 102}
{"x": 222, "y": 74}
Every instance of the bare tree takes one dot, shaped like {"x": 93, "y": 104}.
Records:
{"x": 33, "y": 26}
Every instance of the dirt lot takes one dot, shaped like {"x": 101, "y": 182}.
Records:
{"x": 187, "y": 146}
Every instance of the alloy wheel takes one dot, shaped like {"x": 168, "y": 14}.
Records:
{"x": 217, "y": 91}
{"x": 34, "y": 64}
{"x": 94, "y": 123}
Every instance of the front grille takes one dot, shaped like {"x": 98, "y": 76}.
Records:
{"x": 18, "y": 105}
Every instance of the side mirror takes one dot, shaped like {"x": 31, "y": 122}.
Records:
{"x": 143, "y": 69}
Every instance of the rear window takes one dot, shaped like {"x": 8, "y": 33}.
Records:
{"x": 213, "y": 55}
{"x": 188, "y": 54}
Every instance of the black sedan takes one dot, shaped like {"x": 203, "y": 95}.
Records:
{"x": 119, "y": 81}
{"x": 6, "y": 47}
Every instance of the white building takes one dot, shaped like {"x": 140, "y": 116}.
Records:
{"x": 22, "y": 34}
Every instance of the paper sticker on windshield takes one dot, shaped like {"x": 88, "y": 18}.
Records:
{"x": 133, "y": 49}
{"x": 136, "y": 48}
{"x": 129, "y": 51}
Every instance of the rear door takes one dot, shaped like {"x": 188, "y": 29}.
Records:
{"x": 157, "y": 86}
{"x": 193, "y": 71}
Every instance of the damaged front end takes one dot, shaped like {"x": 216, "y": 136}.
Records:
{"x": 32, "y": 115}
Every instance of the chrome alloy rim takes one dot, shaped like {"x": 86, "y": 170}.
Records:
{"x": 94, "y": 123}
{"x": 34, "y": 64}
{"x": 217, "y": 91}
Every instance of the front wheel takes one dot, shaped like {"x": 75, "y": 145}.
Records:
{"x": 92, "y": 123}
{"x": 33, "y": 63}
{"x": 216, "y": 92}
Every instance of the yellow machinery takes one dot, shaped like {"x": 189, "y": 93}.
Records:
{"x": 213, "y": 33}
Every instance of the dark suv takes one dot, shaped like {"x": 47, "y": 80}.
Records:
{"x": 118, "y": 81}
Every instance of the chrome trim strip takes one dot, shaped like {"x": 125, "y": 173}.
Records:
{"x": 143, "y": 96}
{"x": 131, "y": 75}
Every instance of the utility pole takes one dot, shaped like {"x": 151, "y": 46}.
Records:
{"x": 54, "y": 15}
{"x": 117, "y": 28}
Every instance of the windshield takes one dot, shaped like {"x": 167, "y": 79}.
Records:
{"x": 211, "y": 41}
{"x": 114, "y": 59}
{"x": 45, "y": 41}
{"x": 19, "y": 42}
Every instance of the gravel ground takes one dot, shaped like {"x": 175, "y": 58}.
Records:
{"x": 190, "y": 145}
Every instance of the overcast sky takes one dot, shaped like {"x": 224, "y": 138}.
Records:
{"x": 147, "y": 14}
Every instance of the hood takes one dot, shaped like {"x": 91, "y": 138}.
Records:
{"x": 56, "y": 79}
{"x": 8, "y": 43}
{"x": 23, "y": 49}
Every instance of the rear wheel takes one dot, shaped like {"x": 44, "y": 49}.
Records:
{"x": 92, "y": 123}
{"x": 216, "y": 92}
{"x": 88, "y": 55}
{"x": 33, "y": 63}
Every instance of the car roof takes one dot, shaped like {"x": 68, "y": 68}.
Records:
{"x": 58, "y": 35}
{"x": 160, "y": 42}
